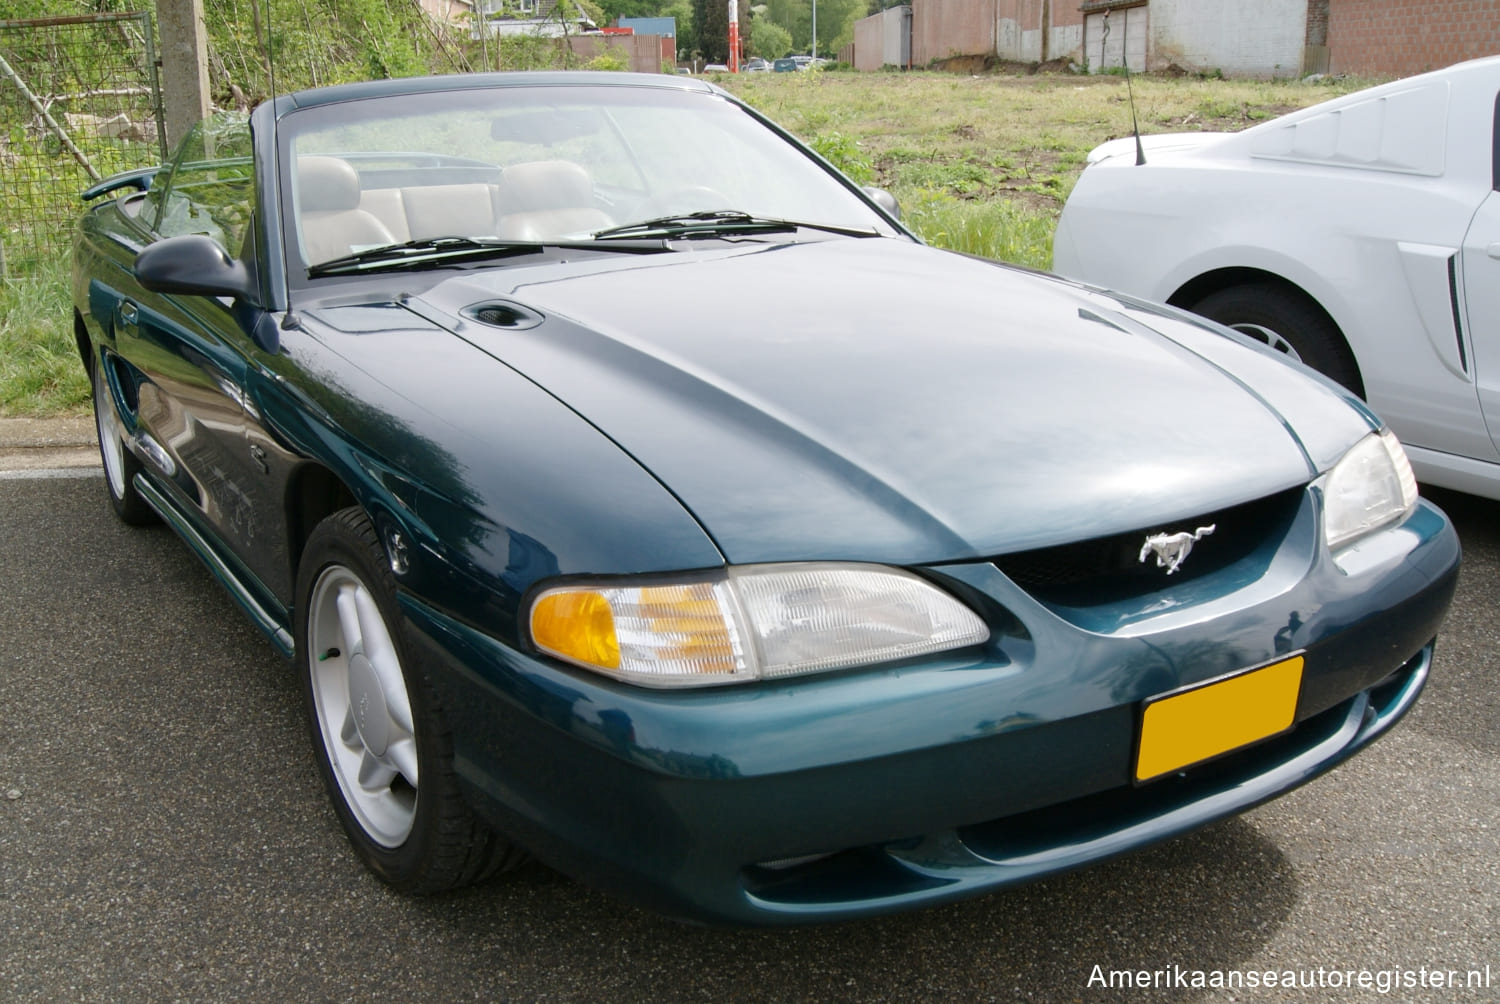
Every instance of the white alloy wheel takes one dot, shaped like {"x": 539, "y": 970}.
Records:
{"x": 362, "y": 706}
{"x": 107, "y": 424}
{"x": 120, "y": 465}
{"x": 1261, "y": 333}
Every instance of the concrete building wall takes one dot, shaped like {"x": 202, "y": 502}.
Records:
{"x": 1025, "y": 31}
{"x": 1265, "y": 38}
{"x": 1402, "y": 37}
{"x": 867, "y": 55}
{"x": 942, "y": 29}
{"x": 896, "y": 37}
{"x": 882, "y": 40}
{"x": 1065, "y": 33}
{"x": 1116, "y": 37}
{"x": 1018, "y": 30}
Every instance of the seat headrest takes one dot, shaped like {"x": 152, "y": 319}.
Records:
{"x": 548, "y": 184}
{"x": 326, "y": 184}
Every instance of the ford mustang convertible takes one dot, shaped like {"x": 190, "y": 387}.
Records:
{"x": 634, "y": 492}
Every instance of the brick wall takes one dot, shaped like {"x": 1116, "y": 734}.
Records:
{"x": 1402, "y": 37}
{"x": 1317, "y": 22}
{"x": 646, "y": 53}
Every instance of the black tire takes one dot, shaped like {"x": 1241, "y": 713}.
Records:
{"x": 1287, "y": 321}
{"x": 385, "y": 755}
{"x": 120, "y": 465}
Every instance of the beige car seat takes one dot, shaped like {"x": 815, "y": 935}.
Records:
{"x": 547, "y": 199}
{"x": 329, "y": 219}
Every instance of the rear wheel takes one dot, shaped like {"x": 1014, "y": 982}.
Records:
{"x": 120, "y": 465}
{"x": 1288, "y": 322}
{"x": 382, "y": 744}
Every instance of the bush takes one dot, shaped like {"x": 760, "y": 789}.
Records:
{"x": 844, "y": 153}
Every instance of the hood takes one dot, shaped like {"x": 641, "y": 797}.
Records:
{"x": 878, "y": 400}
{"x": 1156, "y": 146}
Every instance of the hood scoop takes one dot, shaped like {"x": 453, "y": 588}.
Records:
{"x": 503, "y": 314}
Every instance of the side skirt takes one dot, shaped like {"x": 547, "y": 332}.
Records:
{"x": 275, "y": 627}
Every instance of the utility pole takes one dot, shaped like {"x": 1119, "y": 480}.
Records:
{"x": 184, "y": 65}
{"x": 814, "y": 53}
{"x": 734, "y": 36}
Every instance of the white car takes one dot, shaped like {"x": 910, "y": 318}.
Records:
{"x": 1360, "y": 236}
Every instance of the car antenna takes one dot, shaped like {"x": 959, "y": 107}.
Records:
{"x": 289, "y": 320}
{"x": 1135, "y": 128}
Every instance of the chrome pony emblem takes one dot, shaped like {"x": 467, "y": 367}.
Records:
{"x": 1171, "y": 549}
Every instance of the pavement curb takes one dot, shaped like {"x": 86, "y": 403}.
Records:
{"x": 47, "y": 443}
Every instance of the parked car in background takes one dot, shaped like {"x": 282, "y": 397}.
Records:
{"x": 757, "y": 65}
{"x": 785, "y": 65}
{"x": 1360, "y": 236}
{"x": 897, "y": 600}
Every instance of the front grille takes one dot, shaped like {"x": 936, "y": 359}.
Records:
{"x": 1109, "y": 569}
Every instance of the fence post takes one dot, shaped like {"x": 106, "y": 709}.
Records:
{"x": 184, "y": 65}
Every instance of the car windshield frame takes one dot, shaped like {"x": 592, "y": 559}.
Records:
{"x": 487, "y": 140}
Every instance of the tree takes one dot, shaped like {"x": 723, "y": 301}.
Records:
{"x": 835, "y": 21}
{"x": 616, "y": 9}
{"x": 682, "y": 10}
{"x": 711, "y": 30}
{"x": 769, "y": 40}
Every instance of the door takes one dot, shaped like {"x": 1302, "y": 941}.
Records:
{"x": 1481, "y": 265}
{"x": 198, "y": 429}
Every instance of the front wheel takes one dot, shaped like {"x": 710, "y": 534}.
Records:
{"x": 382, "y": 744}
{"x": 1287, "y": 321}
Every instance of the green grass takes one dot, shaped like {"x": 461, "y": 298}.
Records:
{"x": 983, "y": 164}
{"x": 1003, "y": 230}
{"x": 40, "y": 373}
{"x": 980, "y": 164}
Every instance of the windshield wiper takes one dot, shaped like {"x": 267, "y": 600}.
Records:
{"x": 436, "y": 251}
{"x": 717, "y": 222}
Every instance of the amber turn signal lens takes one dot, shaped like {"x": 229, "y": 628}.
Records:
{"x": 577, "y": 625}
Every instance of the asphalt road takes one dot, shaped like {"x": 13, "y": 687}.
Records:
{"x": 163, "y": 837}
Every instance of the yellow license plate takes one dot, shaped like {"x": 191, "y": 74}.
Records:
{"x": 1196, "y": 725}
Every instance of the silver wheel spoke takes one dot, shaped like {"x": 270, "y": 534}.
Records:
{"x": 403, "y": 756}
{"x": 349, "y": 731}
{"x": 348, "y": 618}
{"x": 1271, "y": 338}
{"x": 374, "y": 776}
{"x": 381, "y": 652}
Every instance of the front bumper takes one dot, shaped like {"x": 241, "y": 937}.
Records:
{"x": 860, "y": 793}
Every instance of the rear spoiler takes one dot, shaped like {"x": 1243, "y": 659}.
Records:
{"x": 139, "y": 179}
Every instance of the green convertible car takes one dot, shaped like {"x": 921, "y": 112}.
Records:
{"x": 632, "y": 491}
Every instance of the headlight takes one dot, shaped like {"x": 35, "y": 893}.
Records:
{"x": 752, "y": 623}
{"x": 1371, "y": 486}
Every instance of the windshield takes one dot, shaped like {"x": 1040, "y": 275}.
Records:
{"x": 543, "y": 163}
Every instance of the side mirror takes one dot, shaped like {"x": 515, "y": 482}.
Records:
{"x": 195, "y": 265}
{"x": 885, "y": 200}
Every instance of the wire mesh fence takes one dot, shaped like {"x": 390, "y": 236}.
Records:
{"x": 79, "y": 101}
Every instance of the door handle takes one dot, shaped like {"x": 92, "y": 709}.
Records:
{"x": 1493, "y": 251}
{"x": 128, "y": 313}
